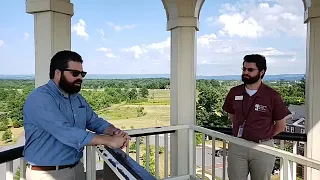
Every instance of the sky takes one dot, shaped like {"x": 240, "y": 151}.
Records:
{"x": 130, "y": 36}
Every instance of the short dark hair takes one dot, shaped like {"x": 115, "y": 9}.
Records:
{"x": 60, "y": 60}
{"x": 260, "y": 61}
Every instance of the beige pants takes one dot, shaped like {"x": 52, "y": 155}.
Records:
{"x": 76, "y": 173}
{"x": 242, "y": 161}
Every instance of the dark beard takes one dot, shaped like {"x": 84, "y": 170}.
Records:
{"x": 69, "y": 87}
{"x": 250, "y": 80}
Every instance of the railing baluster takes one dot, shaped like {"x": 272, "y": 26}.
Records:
{"x": 9, "y": 170}
{"x": 213, "y": 162}
{"x": 224, "y": 160}
{"x": 203, "y": 173}
{"x": 281, "y": 161}
{"x": 138, "y": 150}
{"x": 192, "y": 169}
{"x": 285, "y": 169}
{"x": 22, "y": 169}
{"x": 91, "y": 163}
{"x": 294, "y": 165}
{"x": 147, "y": 152}
{"x": 166, "y": 163}
{"x": 157, "y": 156}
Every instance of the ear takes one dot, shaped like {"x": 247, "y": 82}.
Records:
{"x": 262, "y": 72}
{"x": 57, "y": 73}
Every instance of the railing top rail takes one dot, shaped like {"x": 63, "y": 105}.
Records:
{"x": 11, "y": 154}
{"x": 155, "y": 130}
{"x": 260, "y": 147}
{"x": 282, "y": 136}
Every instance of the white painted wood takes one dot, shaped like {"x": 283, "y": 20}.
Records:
{"x": 9, "y": 170}
{"x": 148, "y": 152}
{"x": 157, "y": 155}
{"x": 312, "y": 18}
{"x": 138, "y": 150}
{"x": 224, "y": 171}
{"x": 182, "y": 21}
{"x": 156, "y": 129}
{"x": 281, "y": 161}
{"x": 183, "y": 177}
{"x": 315, "y": 164}
{"x": 23, "y": 168}
{"x": 213, "y": 149}
{"x": 203, "y": 156}
{"x": 166, "y": 157}
{"x": 52, "y": 32}
{"x": 293, "y": 164}
{"x": 90, "y": 163}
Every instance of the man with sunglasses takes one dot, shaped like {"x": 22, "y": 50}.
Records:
{"x": 56, "y": 120}
{"x": 258, "y": 113}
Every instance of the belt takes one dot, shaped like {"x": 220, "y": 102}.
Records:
{"x": 50, "y": 168}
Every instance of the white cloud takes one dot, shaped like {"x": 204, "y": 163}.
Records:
{"x": 119, "y": 27}
{"x": 257, "y": 18}
{"x": 217, "y": 56}
{"x": 107, "y": 51}
{"x": 1, "y": 43}
{"x": 26, "y": 36}
{"x": 102, "y": 34}
{"x": 80, "y": 29}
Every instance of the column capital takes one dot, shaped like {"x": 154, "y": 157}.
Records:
{"x": 311, "y": 11}
{"x": 59, "y": 6}
{"x": 182, "y": 13}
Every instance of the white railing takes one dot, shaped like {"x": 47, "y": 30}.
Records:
{"x": 159, "y": 137}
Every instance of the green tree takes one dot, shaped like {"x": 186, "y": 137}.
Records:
{"x": 209, "y": 108}
{"x": 7, "y": 135}
{"x": 144, "y": 92}
{"x": 133, "y": 94}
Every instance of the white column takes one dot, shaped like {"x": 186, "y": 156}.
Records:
{"x": 52, "y": 32}
{"x": 182, "y": 21}
{"x": 312, "y": 18}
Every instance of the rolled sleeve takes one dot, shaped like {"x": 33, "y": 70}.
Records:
{"x": 280, "y": 110}
{"x": 41, "y": 110}
{"x": 227, "y": 106}
{"x": 94, "y": 122}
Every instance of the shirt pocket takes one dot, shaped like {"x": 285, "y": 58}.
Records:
{"x": 81, "y": 117}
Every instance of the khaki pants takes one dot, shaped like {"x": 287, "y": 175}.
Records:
{"x": 75, "y": 173}
{"x": 242, "y": 161}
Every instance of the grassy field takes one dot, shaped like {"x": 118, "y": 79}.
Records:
{"x": 156, "y": 112}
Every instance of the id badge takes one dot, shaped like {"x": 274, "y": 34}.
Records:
{"x": 240, "y": 131}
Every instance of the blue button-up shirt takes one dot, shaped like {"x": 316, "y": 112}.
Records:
{"x": 55, "y": 126}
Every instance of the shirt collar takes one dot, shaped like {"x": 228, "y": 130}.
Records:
{"x": 259, "y": 93}
{"x": 53, "y": 86}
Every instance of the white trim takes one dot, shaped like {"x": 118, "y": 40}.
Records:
{"x": 156, "y": 129}
{"x": 263, "y": 148}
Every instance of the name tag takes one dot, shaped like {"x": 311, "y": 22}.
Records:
{"x": 238, "y": 98}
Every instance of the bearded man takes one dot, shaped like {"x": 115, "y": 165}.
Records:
{"x": 258, "y": 113}
{"x": 56, "y": 120}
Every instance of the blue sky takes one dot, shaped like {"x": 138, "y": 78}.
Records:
{"x": 130, "y": 37}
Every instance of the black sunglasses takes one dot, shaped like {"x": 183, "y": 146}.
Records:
{"x": 249, "y": 69}
{"x": 75, "y": 73}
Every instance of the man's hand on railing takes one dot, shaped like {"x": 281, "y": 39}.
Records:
{"x": 116, "y": 141}
{"x": 124, "y": 134}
